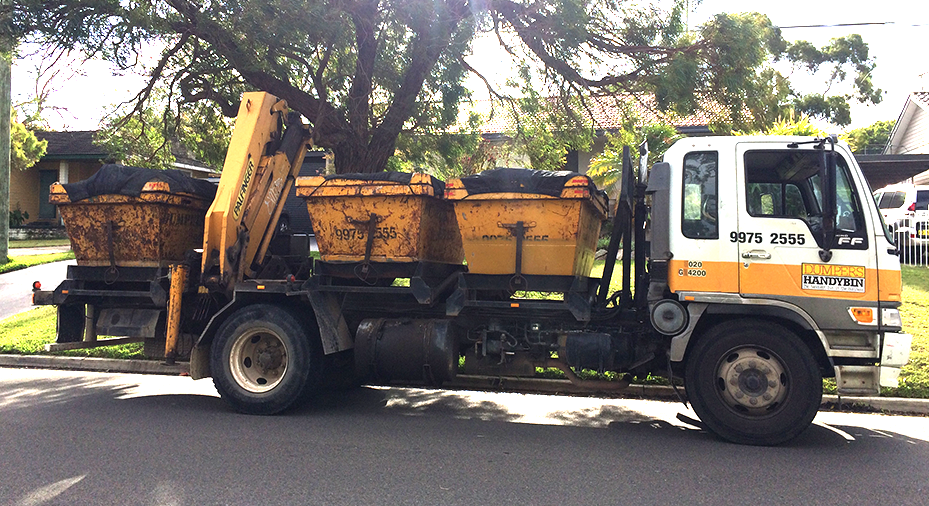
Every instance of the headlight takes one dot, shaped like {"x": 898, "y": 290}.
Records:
{"x": 891, "y": 317}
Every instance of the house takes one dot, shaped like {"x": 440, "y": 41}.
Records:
{"x": 906, "y": 156}
{"x": 71, "y": 157}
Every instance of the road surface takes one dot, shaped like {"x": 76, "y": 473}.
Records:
{"x": 93, "y": 438}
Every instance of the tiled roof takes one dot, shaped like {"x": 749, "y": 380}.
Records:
{"x": 78, "y": 144}
{"x": 608, "y": 113}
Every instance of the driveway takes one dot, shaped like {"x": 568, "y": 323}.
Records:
{"x": 16, "y": 286}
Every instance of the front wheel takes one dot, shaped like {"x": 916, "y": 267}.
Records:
{"x": 263, "y": 360}
{"x": 753, "y": 382}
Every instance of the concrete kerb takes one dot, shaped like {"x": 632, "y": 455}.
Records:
{"x": 93, "y": 364}
{"x": 41, "y": 250}
{"x": 895, "y": 405}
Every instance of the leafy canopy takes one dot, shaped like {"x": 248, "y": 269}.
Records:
{"x": 363, "y": 72}
{"x": 150, "y": 138}
{"x": 25, "y": 148}
{"x": 606, "y": 168}
{"x": 790, "y": 125}
{"x": 871, "y": 139}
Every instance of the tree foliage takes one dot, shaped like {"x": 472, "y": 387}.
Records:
{"x": 440, "y": 153}
{"x": 871, "y": 139}
{"x": 25, "y": 148}
{"x": 363, "y": 72}
{"x": 606, "y": 169}
{"x": 138, "y": 141}
{"x": 151, "y": 138}
{"x": 791, "y": 125}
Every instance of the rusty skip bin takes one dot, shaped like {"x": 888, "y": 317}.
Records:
{"x": 368, "y": 217}
{"x": 154, "y": 229}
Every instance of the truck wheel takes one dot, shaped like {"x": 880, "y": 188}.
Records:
{"x": 753, "y": 382}
{"x": 263, "y": 360}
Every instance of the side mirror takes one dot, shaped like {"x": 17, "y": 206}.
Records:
{"x": 828, "y": 177}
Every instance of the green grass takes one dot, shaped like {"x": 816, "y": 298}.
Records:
{"x": 28, "y": 332}
{"x": 21, "y": 262}
{"x": 39, "y": 243}
{"x": 914, "y": 378}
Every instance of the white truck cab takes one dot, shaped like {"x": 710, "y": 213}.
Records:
{"x": 785, "y": 229}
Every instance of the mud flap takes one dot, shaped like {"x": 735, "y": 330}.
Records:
{"x": 333, "y": 330}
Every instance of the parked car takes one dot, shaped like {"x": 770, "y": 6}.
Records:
{"x": 902, "y": 204}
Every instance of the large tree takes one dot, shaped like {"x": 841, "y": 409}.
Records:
{"x": 152, "y": 135}
{"x": 364, "y": 71}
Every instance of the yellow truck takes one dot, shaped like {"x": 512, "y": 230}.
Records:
{"x": 752, "y": 267}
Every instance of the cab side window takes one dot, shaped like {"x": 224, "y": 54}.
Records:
{"x": 700, "y": 204}
{"x": 786, "y": 184}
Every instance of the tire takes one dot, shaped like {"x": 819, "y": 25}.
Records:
{"x": 725, "y": 381}
{"x": 264, "y": 360}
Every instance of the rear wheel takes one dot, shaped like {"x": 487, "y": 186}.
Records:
{"x": 753, "y": 382}
{"x": 264, "y": 360}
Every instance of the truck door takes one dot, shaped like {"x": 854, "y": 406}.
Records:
{"x": 780, "y": 233}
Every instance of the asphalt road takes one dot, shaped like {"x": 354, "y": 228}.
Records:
{"x": 93, "y": 438}
{"x": 16, "y": 286}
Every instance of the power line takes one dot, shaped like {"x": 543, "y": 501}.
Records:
{"x": 839, "y": 25}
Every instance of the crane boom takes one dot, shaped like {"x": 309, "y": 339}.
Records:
{"x": 264, "y": 156}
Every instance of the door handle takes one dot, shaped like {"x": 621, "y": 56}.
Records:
{"x": 757, "y": 253}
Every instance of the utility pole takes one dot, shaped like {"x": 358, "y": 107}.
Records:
{"x": 6, "y": 67}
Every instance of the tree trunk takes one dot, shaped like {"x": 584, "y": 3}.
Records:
{"x": 354, "y": 155}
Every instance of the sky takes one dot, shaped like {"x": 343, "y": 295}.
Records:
{"x": 896, "y": 35}
{"x": 897, "y": 40}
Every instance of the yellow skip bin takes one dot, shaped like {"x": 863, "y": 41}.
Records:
{"x": 152, "y": 225}
{"x": 558, "y": 215}
{"x": 382, "y": 217}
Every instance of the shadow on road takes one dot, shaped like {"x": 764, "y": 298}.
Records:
{"x": 87, "y": 396}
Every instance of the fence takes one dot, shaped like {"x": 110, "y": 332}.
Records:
{"x": 913, "y": 244}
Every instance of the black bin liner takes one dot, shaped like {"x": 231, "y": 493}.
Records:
{"x": 515, "y": 180}
{"x": 114, "y": 179}
{"x": 393, "y": 177}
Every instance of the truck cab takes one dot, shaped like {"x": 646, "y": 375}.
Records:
{"x": 785, "y": 230}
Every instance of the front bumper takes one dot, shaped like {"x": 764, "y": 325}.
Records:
{"x": 895, "y": 353}
{"x": 862, "y": 380}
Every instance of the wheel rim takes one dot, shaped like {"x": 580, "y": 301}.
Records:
{"x": 258, "y": 360}
{"x": 752, "y": 381}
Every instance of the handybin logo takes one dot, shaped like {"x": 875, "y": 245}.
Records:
{"x": 833, "y": 278}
